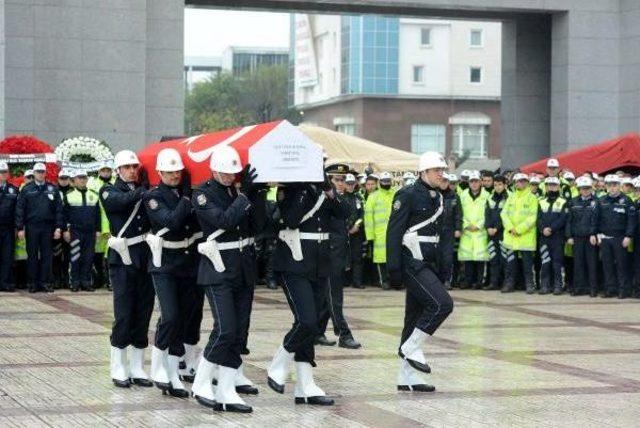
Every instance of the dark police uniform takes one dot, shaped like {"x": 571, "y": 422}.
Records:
{"x": 82, "y": 220}
{"x": 8, "y": 200}
{"x": 39, "y": 213}
{"x": 172, "y": 218}
{"x": 582, "y": 224}
{"x": 356, "y": 240}
{"x": 616, "y": 220}
{"x": 428, "y": 303}
{"x": 497, "y": 251}
{"x": 552, "y": 214}
{"x": 61, "y": 255}
{"x": 451, "y": 222}
{"x": 133, "y": 295}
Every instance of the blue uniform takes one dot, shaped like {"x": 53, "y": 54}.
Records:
{"x": 8, "y": 199}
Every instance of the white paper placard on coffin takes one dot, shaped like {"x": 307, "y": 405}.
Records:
{"x": 286, "y": 155}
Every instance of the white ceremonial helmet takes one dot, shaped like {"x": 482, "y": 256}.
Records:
{"x": 349, "y": 178}
{"x": 552, "y": 180}
{"x": 584, "y": 182}
{"x": 225, "y": 159}
{"x": 386, "y": 176}
{"x": 612, "y": 178}
{"x": 408, "y": 176}
{"x": 520, "y": 176}
{"x": 474, "y": 175}
{"x": 126, "y": 157}
{"x": 429, "y": 160}
{"x": 553, "y": 163}
{"x": 568, "y": 175}
{"x": 4, "y": 166}
{"x": 79, "y": 173}
{"x": 40, "y": 167}
{"x": 169, "y": 160}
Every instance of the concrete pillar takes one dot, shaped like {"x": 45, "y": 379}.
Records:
{"x": 525, "y": 90}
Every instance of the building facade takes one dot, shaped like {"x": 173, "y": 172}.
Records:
{"x": 198, "y": 68}
{"x": 414, "y": 84}
{"x": 246, "y": 60}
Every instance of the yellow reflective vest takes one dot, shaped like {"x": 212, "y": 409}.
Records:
{"x": 377, "y": 211}
{"x": 520, "y": 213}
{"x": 473, "y": 245}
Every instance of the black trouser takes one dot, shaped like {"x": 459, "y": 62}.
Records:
{"x": 305, "y": 296}
{"x": 447, "y": 248}
{"x": 496, "y": 262}
{"x": 551, "y": 261}
{"x": 176, "y": 302}
{"x": 269, "y": 251}
{"x": 7, "y": 248}
{"x": 473, "y": 272}
{"x": 427, "y": 302}
{"x": 193, "y": 316}
{"x": 355, "y": 257}
{"x": 39, "y": 254}
{"x": 511, "y": 273}
{"x": 82, "y": 249}
{"x": 334, "y": 305}
{"x": 585, "y": 265}
{"x": 60, "y": 263}
{"x": 101, "y": 270}
{"x": 615, "y": 263}
{"x": 133, "y": 299}
{"x": 230, "y": 303}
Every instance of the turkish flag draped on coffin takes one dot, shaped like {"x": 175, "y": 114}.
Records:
{"x": 279, "y": 151}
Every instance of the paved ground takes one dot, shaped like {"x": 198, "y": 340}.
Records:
{"x": 500, "y": 360}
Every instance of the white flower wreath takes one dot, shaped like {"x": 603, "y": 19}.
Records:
{"x": 86, "y": 148}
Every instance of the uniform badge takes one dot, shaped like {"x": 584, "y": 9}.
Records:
{"x": 202, "y": 199}
{"x": 153, "y": 204}
{"x": 50, "y": 188}
{"x": 593, "y": 203}
{"x": 621, "y": 201}
{"x": 432, "y": 193}
{"x": 396, "y": 205}
{"x": 105, "y": 194}
{"x": 11, "y": 190}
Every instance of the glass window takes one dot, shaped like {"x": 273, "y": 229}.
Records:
{"x": 471, "y": 139}
{"x": 425, "y": 36}
{"x": 349, "y": 128}
{"x": 475, "y": 75}
{"x": 427, "y": 137}
{"x": 418, "y": 74}
{"x": 475, "y": 39}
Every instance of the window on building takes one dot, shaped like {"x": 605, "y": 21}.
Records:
{"x": 418, "y": 74}
{"x": 425, "y": 36}
{"x": 346, "y": 128}
{"x": 428, "y": 137}
{"x": 475, "y": 74}
{"x": 475, "y": 39}
{"x": 471, "y": 139}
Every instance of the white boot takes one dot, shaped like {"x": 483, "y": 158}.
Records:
{"x": 306, "y": 390}
{"x": 278, "y": 370}
{"x": 202, "y": 388}
{"x": 136, "y": 367}
{"x": 411, "y": 350}
{"x": 177, "y": 388}
{"x": 243, "y": 384}
{"x": 191, "y": 356}
{"x": 159, "y": 368}
{"x": 226, "y": 396}
{"x": 409, "y": 379}
{"x": 119, "y": 374}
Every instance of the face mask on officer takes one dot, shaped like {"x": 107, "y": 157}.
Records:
{"x": 386, "y": 185}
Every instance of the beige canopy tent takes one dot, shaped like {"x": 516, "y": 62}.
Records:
{"x": 359, "y": 153}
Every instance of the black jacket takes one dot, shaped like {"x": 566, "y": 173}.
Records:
{"x": 168, "y": 208}
{"x": 39, "y": 205}
{"x": 582, "y": 220}
{"x": 84, "y": 217}
{"x": 118, "y": 201}
{"x": 452, "y": 215}
{"x": 492, "y": 212}
{"x": 8, "y": 200}
{"x": 616, "y": 216}
{"x": 556, "y": 220}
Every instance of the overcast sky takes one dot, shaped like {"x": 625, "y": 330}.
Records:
{"x": 207, "y": 32}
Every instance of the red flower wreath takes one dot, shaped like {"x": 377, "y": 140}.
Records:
{"x": 27, "y": 144}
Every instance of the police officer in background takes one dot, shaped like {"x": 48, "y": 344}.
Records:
{"x": 61, "y": 256}
{"x": 616, "y": 226}
{"x": 552, "y": 217}
{"x": 413, "y": 254}
{"x": 100, "y": 264}
{"x": 303, "y": 259}
{"x": 82, "y": 227}
{"x": 39, "y": 219}
{"x": 8, "y": 199}
{"x": 451, "y": 229}
{"x": 493, "y": 223}
{"x": 173, "y": 264}
{"x": 133, "y": 295}
{"x": 230, "y": 218}
{"x": 355, "y": 225}
{"x": 581, "y": 231}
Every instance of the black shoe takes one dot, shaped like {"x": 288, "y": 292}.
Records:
{"x": 178, "y": 393}
{"x": 385, "y": 286}
{"x": 447, "y": 285}
{"x": 531, "y": 290}
{"x": 238, "y": 408}
{"x": 47, "y": 288}
{"x": 417, "y": 388}
{"x": 315, "y": 401}
{"x": 349, "y": 343}
{"x": 187, "y": 378}
{"x": 543, "y": 291}
{"x": 463, "y": 286}
{"x": 271, "y": 284}
{"x": 491, "y": 288}
{"x": 275, "y": 386}
{"x": 88, "y": 288}
{"x": 247, "y": 390}
{"x": 121, "y": 383}
{"x": 623, "y": 295}
{"x": 74, "y": 288}
{"x": 359, "y": 286}
{"x": 507, "y": 289}
{"x": 204, "y": 401}
{"x": 593, "y": 293}
{"x": 164, "y": 387}
{"x": 323, "y": 341}
{"x": 421, "y": 367}
{"x": 557, "y": 291}
{"x": 609, "y": 294}
{"x": 142, "y": 382}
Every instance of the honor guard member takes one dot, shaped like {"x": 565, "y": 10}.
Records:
{"x": 133, "y": 295}
{"x": 581, "y": 231}
{"x": 82, "y": 227}
{"x": 8, "y": 199}
{"x": 230, "y": 218}
{"x": 413, "y": 257}
{"x": 519, "y": 217}
{"x": 339, "y": 246}
{"x": 39, "y": 219}
{"x": 60, "y": 263}
{"x": 355, "y": 224}
{"x": 408, "y": 178}
{"x": 493, "y": 223}
{"x": 172, "y": 241}
{"x": 552, "y": 218}
{"x": 303, "y": 260}
{"x": 616, "y": 227}
{"x": 451, "y": 230}
{"x": 105, "y": 176}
